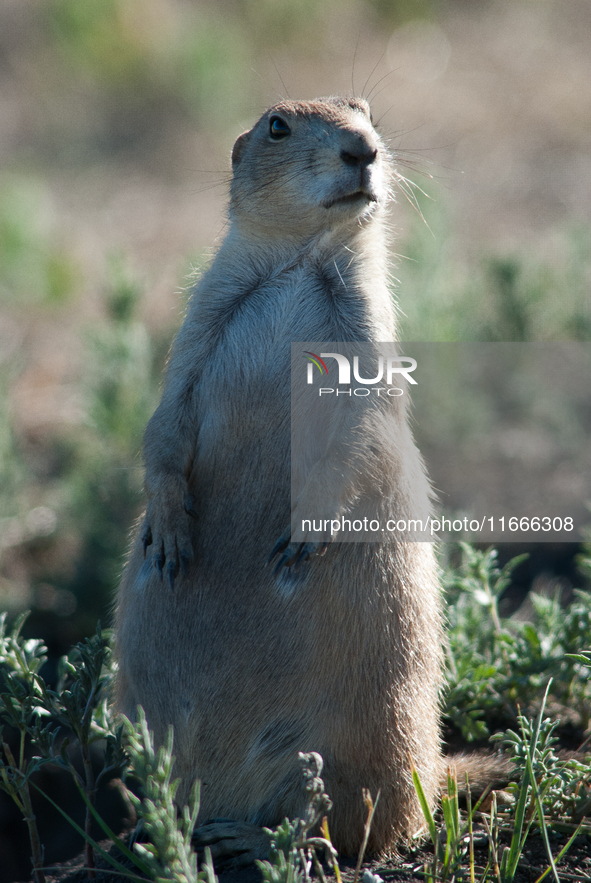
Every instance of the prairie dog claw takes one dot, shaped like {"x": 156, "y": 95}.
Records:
{"x": 168, "y": 528}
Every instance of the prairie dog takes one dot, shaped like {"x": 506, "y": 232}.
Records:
{"x": 338, "y": 654}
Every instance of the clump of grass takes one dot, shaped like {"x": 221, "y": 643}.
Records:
{"x": 496, "y": 664}
{"x": 546, "y": 790}
{"x": 540, "y": 783}
{"x": 448, "y": 856}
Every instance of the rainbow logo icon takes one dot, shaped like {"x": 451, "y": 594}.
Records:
{"x": 316, "y": 360}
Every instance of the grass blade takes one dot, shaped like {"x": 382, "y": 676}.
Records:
{"x": 335, "y": 865}
{"x": 424, "y": 805}
{"x": 121, "y": 869}
{"x": 371, "y": 808}
{"x": 110, "y": 834}
{"x": 529, "y": 754}
{"x": 562, "y": 852}
{"x": 470, "y": 828}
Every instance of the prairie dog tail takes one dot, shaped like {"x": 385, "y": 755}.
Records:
{"x": 484, "y": 770}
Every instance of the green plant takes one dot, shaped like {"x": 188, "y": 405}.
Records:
{"x": 496, "y": 664}
{"x": 547, "y": 789}
{"x": 70, "y": 719}
{"x": 448, "y": 857}
{"x": 21, "y": 705}
{"x": 68, "y": 498}
{"x": 102, "y": 491}
{"x": 544, "y": 784}
{"x": 478, "y": 643}
{"x": 79, "y": 705}
{"x": 40, "y": 716}
{"x": 293, "y": 848}
{"x": 169, "y": 855}
{"x": 564, "y": 785}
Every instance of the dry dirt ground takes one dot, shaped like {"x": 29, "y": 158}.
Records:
{"x": 407, "y": 866}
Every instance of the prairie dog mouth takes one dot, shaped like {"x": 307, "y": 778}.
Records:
{"x": 356, "y": 198}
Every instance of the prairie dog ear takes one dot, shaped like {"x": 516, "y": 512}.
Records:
{"x": 239, "y": 146}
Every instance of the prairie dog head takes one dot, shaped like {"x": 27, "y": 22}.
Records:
{"x": 308, "y": 167}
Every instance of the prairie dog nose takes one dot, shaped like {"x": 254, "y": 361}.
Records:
{"x": 358, "y": 150}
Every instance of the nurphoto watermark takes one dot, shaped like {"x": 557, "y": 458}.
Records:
{"x": 503, "y": 429}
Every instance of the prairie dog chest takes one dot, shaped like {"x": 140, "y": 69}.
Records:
{"x": 247, "y": 336}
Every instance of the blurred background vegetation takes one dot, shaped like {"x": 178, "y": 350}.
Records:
{"x": 117, "y": 119}
{"x": 116, "y": 123}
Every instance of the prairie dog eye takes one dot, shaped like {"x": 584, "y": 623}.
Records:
{"x": 278, "y": 128}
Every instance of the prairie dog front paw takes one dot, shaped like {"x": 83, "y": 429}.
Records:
{"x": 168, "y": 529}
{"x": 292, "y": 553}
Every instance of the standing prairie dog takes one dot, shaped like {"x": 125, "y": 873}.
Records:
{"x": 338, "y": 652}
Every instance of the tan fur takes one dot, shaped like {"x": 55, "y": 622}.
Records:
{"x": 341, "y": 655}
{"x": 483, "y": 769}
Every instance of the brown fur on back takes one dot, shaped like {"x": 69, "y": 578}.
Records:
{"x": 342, "y": 655}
